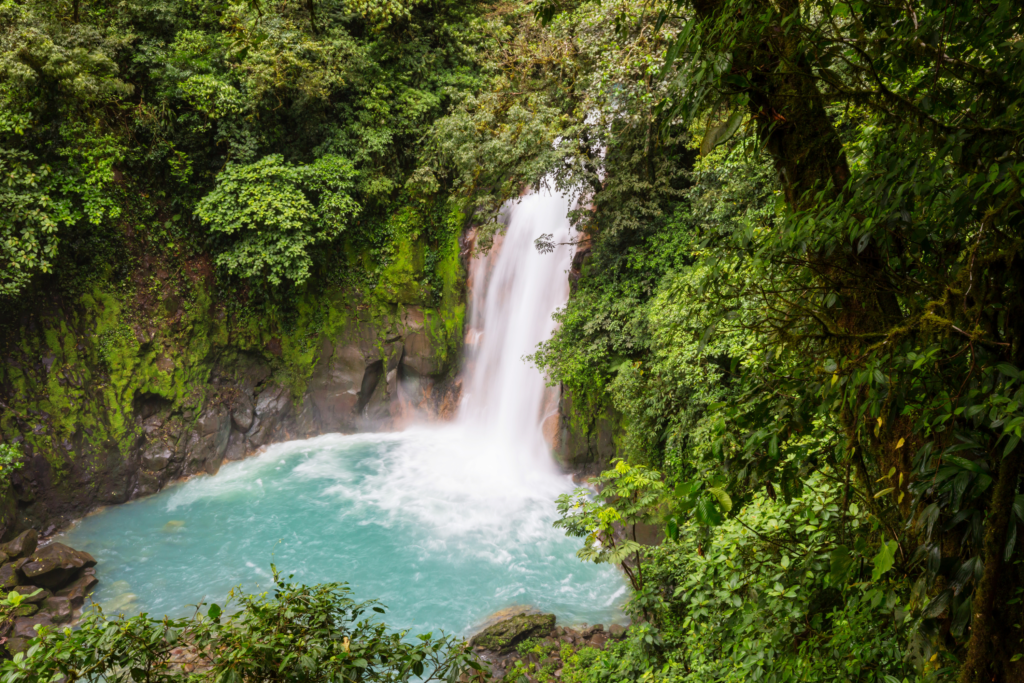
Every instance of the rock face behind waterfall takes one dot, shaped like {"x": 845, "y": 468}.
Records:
{"x": 362, "y": 375}
{"x": 54, "y": 581}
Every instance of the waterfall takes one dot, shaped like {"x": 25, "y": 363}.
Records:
{"x": 515, "y": 290}
{"x": 446, "y": 523}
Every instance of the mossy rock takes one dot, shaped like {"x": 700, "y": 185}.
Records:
{"x": 25, "y": 610}
{"x": 505, "y": 635}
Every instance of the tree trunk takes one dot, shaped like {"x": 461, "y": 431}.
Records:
{"x": 312, "y": 16}
{"x": 984, "y": 663}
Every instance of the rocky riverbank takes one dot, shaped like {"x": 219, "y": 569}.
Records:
{"x": 532, "y": 646}
{"x": 51, "y": 584}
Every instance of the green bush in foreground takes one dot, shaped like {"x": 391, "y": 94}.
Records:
{"x": 301, "y": 633}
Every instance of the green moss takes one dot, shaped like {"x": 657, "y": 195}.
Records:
{"x": 506, "y": 635}
{"x": 101, "y": 353}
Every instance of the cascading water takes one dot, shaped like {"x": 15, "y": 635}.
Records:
{"x": 445, "y": 524}
{"x": 516, "y": 292}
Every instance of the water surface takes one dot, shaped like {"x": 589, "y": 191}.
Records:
{"x": 432, "y": 521}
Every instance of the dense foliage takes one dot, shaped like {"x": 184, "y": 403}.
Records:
{"x": 294, "y": 633}
{"x": 258, "y": 132}
{"x": 798, "y": 289}
{"x": 800, "y": 275}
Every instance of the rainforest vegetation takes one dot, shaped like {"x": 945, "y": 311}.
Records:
{"x": 798, "y": 291}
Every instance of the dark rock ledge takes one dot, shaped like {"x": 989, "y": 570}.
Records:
{"x": 54, "y": 579}
{"x": 531, "y": 645}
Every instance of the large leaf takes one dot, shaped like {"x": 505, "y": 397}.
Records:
{"x": 724, "y": 501}
{"x": 707, "y": 512}
{"x": 841, "y": 566}
{"x": 716, "y": 135}
{"x": 884, "y": 560}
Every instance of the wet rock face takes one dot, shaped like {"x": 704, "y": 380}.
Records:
{"x": 583, "y": 447}
{"x": 360, "y": 379}
{"x": 365, "y": 376}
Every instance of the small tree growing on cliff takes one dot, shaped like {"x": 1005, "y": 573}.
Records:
{"x": 627, "y": 495}
{"x": 10, "y": 461}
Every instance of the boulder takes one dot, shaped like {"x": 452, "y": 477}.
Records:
{"x": 33, "y": 594}
{"x": 79, "y": 589}
{"x": 16, "y": 645}
{"x": 156, "y": 456}
{"x": 54, "y": 566}
{"x": 272, "y": 401}
{"x": 505, "y": 635}
{"x": 236, "y": 449}
{"x": 242, "y": 413}
{"x": 25, "y": 627}
{"x": 59, "y": 608}
{"x": 9, "y": 576}
{"x": 22, "y": 546}
{"x": 616, "y": 631}
{"x": 272, "y": 405}
{"x": 24, "y": 610}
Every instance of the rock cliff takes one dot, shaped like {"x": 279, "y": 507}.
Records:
{"x": 112, "y": 394}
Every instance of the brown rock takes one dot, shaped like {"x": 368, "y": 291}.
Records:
{"x": 242, "y": 413}
{"x": 79, "y": 589}
{"x": 598, "y": 640}
{"x": 33, "y": 594}
{"x": 156, "y": 456}
{"x": 9, "y": 577}
{"x": 54, "y": 565}
{"x": 25, "y": 627}
{"x": 236, "y": 449}
{"x": 16, "y": 645}
{"x": 616, "y": 631}
{"x": 23, "y": 545}
{"x": 59, "y": 608}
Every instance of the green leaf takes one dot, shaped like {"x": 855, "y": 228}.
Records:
{"x": 840, "y": 566}
{"x": 707, "y": 512}
{"x": 724, "y": 501}
{"x": 716, "y": 135}
{"x": 214, "y": 611}
{"x": 884, "y": 560}
{"x": 1008, "y": 370}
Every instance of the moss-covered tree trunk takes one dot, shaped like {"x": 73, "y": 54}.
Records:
{"x": 984, "y": 661}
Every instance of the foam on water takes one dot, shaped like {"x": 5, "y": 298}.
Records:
{"x": 446, "y": 524}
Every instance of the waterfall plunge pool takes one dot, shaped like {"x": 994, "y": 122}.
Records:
{"x": 431, "y": 521}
